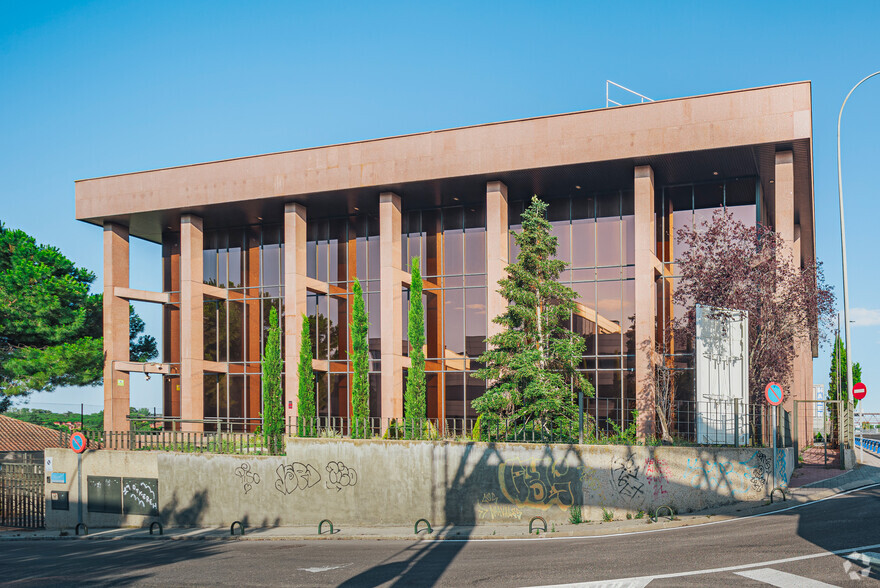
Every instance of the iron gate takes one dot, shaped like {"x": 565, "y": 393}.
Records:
{"x": 22, "y": 495}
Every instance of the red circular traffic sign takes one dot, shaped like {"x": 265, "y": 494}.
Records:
{"x": 78, "y": 442}
{"x": 859, "y": 391}
{"x": 773, "y": 393}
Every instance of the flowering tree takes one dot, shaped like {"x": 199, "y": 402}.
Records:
{"x": 728, "y": 265}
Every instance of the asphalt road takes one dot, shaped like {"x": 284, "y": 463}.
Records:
{"x": 790, "y": 548}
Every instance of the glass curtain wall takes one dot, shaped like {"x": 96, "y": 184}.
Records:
{"x": 691, "y": 205}
{"x": 171, "y": 325}
{"x": 594, "y": 233}
{"x": 451, "y": 243}
{"x": 337, "y": 251}
{"x": 246, "y": 262}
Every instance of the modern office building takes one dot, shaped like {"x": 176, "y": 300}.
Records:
{"x": 292, "y": 230}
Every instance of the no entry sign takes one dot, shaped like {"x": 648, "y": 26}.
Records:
{"x": 859, "y": 391}
{"x": 78, "y": 442}
{"x": 773, "y": 392}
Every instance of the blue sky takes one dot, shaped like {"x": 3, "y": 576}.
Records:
{"x": 97, "y": 88}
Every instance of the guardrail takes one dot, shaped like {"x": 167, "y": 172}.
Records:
{"x": 871, "y": 445}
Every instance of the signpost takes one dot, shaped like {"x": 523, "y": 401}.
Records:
{"x": 859, "y": 393}
{"x": 773, "y": 393}
{"x": 78, "y": 444}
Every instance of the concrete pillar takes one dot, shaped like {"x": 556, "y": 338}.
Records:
{"x": 783, "y": 223}
{"x": 192, "y": 339}
{"x": 645, "y": 302}
{"x": 497, "y": 250}
{"x": 116, "y": 340}
{"x": 392, "y": 309}
{"x": 294, "y": 298}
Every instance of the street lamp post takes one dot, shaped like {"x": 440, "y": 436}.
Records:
{"x": 843, "y": 252}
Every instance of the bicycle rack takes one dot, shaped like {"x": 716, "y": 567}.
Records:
{"x": 85, "y": 528}
{"x": 232, "y": 528}
{"x": 416, "y": 528}
{"x": 781, "y": 491}
{"x": 533, "y": 519}
{"x": 153, "y": 524}
{"x": 321, "y": 525}
{"x": 657, "y": 513}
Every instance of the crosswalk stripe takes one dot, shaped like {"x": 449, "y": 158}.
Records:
{"x": 782, "y": 579}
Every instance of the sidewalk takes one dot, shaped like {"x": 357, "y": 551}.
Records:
{"x": 856, "y": 478}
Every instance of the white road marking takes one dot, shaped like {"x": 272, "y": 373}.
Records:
{"x": 323, "y": 569}
{"x": 665, "y": 530}
{"x": 783, "y": 579}
{"x": 757, "y": 564}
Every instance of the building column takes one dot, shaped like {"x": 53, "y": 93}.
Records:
{"x": 645, "y": 302}
{"x": 497, "y": 251}
{"x": 392, "y": 309}
{"x": 783, "y": 223}
{"x": 294, "y": 299}
{"x": 116, "y": 333}
{"x": 192, "y": 338}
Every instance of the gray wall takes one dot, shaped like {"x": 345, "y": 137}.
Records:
{"x": 377, "y": 482}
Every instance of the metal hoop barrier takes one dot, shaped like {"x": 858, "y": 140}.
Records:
{"x": 533, "y": 519}
{"x": 657, "y": 513}
{"x": 153, "y": 524}
{"x": 232, "y": 528}
{"x": 321, "y": 525}
{"x": 416, "y": 528}
{"x": 84, "y": 527}
{"x": 781, "y": 491}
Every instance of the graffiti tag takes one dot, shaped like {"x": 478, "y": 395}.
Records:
{"x": 296, "y": 476}
{"x": 339, "y": 475}
{"x": 625, "y": 476}
{"x": 248, "y": 478}
{"x": 534, "y": 484}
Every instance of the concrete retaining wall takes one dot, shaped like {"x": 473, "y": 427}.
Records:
{"x": 396, "y": 482}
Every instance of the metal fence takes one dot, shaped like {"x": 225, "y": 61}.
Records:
{"x": 722, "y": 422}
{"x": 182, "y": 441}
{"x": 22, "y": 500}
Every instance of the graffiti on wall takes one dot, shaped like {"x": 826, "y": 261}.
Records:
{"x": 750, "y": 475}
{"x": 340, "y": 476}
{"x": 625, "y": 477}
{"x": 759, "y": 470}
{"x": 781, "y": 470}
{"x": 248, "y": 478}
{"x": 296, "y": 476}
{"x": 656, "y": 476}
{"x": 535, "y": 484}
{"x": 489, "y": 510}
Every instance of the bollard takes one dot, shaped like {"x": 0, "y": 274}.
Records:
{"x": 533, "y": 519}
{"x": 416, "y": 528}
{"x": 781, "y": 491}
{"x": 85, "y": 528}
{"x": 232, "y": 528}
{"x": 153, "y": 524}
{"x": 657, "y": 513}
{"x": 321, "y": 525}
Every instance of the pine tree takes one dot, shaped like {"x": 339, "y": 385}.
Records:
{"x": 305, "y": 402}
{"x": 531, "y": 366}
{"x": 838, "y": 386}
{"x": 360, "y": 363}
{"x": 415, "y": 401}
{"x": 273, "y": 407}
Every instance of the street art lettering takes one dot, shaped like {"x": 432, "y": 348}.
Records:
{"x": 141, "y": 493}
{"x": 655, "y": 475}
{"x": 531, "y": 483}
{"x": 490, "y": 510}
{"x": 296, "y": 476}
{"x": 248, "y": 478}
{"x": 625, "y": 477}
{"x": 339, "y": 476}
{"x": 781, "y": 472}
{"x": 760, "y": 469}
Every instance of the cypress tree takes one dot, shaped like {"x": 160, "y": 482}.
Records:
{"x": 415, "y": 409}
{"x": 273, "y": 407}
{"x": 305, "y": 404}
{"x": 531, "y": 366}
{"x": 360, "y": 363}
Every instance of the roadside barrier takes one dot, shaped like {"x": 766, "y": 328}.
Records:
{"x": 321, "y": 525}
{"x": 533, "y": 519}
{"x": 657, "y": 513}
{"x": 781, "y": 491}
{"x": 416, "y": 528}
{"x": 232, "y": 528}
{"x": 153, "y": 524}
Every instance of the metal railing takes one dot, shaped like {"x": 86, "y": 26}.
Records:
{"x": 720, "y": 422}
{"x": 182, "y": 441}
{"x": 22, "y": 500}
